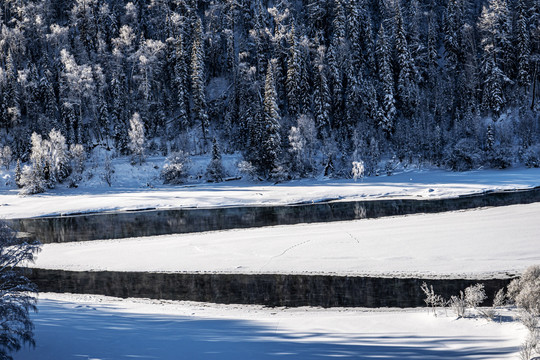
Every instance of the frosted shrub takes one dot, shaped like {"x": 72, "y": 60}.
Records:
{"x": 358, "y": 170}
{"x": 475, "y": 295}
{"x": 529, "y": 320}
{"x": 431, "y": 298}
{"x": 500, "y": 299}
{"x": 525, "y": 291}
{"x": 32, "y": 181}
{"x": 246, "y": 168}
{"x": 463, "y": 156}
{"x": 176, "y": 169}
{"x": 529, "y": 347}
{"x": 458, "y": 304}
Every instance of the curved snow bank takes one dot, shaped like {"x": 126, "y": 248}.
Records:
{"x": 411, "y": 184}
{"x": 95, "y": 327}
{"x": 480, "y": 243}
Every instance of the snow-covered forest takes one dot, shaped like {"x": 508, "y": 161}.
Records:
{"x": 298, "y": 87}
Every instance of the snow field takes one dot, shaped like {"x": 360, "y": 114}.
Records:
{"x": 482, "y": 243}
{"x": 104, "y": 328}
{"x": 138, "y": 187}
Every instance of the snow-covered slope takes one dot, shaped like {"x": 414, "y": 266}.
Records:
{"x": 96, "y": 327}
{"x": 485, "y": 242}
{"x": 138, "y": 188}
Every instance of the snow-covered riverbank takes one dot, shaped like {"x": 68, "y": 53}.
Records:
{"x": 129, "y": 195}
{"x": 96, "y": 327}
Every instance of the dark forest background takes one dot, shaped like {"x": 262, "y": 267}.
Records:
{"x": 299, "y": 87}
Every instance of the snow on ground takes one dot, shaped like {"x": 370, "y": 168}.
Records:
{"x": 478, "y": 243}
{"x": 140, "y": 188}
{"x": 102, "y": 328}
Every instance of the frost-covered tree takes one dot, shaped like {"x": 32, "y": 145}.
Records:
{"x": 78, "y": 158}
{"x": 149, "y": 59}
{"x": 302, "y": 140}
{"x": 358, "y": 170}
{"x": 57, "y": 157}
{"x": 17, "y": 293}
{"x": 137, "y": 139}
{"x": 34, "y": 176}
{"x": 78, "y": 90}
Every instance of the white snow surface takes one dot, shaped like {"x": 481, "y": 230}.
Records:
{"x": 481, "y": 243}
{"x": 70, "y": 326}
{"x": 139, "y": 187}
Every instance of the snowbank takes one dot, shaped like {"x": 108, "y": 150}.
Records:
{"x": 480, "y": 243}
{"x": 138, "y": 188}
{"x": 96, "y": 327}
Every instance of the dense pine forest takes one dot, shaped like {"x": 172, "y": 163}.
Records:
{"x": 298, "y": 87}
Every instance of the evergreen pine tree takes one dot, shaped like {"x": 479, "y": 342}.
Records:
{"x": 407, "y": 77}
{"x": 293, "y": 74}
{"x": 452, "y": 33}
{"x": 495, "y": 25}
{"x": 387, "y": 111}
{"x": 18, "y": 174}
{"x": 523, "y": 46}
{"x": 321, "y": 95}
{"x": 198, "y": 82}
{"x": 180, "y": 83}
{"x": 271, "y": 138}
{"x": 103, "y": 116}
{"x": 215, "y": 171}
{"x": 493, "y": 96}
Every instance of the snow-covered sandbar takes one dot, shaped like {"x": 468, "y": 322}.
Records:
{"x": 482, "y": 243}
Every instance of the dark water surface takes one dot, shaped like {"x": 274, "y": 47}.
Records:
{"x": 263, "y": 289}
